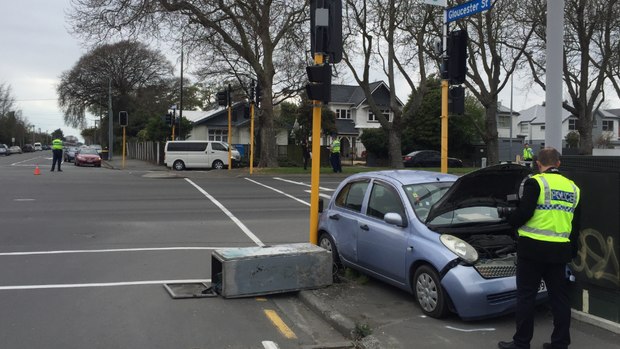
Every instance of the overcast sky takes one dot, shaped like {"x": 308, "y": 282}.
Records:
{"x": 36, "y": 48}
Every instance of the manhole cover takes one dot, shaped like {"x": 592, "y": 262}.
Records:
{"x": 190, "y": 290}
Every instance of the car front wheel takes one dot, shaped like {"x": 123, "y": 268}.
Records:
{"x": 429, "y": 293}
{"x": 326, "y": 242}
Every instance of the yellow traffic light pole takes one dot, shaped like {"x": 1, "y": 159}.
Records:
{"x": 251, "y": 137}
{"x": 229, "y": 136}
{"x": 316, "y": 163}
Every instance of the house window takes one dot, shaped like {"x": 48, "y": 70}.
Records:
{"x": 343, "y": 113}
{"x": 218, "y": 135}
{"x": 608, "y": 125}
{"x": 572, "y": 124}
{"x": 542, "y": 128}
{"x": 524, "y": 128}
{"x": 373, "y": 118}
{"x": 503, "y": 121}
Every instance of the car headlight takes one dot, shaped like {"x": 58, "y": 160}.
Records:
{"x": 461, "y": 248}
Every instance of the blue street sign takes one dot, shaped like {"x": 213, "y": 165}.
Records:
{"x": 467, "y": 9}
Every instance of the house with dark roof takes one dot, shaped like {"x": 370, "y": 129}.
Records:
{"x": 212, "y": 125}
{"x": 353, "y": 114}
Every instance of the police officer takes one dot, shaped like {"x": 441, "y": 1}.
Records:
{"x": 528, "y": 155}
{"x": 56, "y": 153}
{"x": 547, "y": 241}
{"x": 335, "y": 155}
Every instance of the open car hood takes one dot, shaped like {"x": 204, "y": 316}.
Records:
{"x": 491, "y": 186}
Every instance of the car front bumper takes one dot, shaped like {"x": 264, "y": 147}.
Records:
{"x": 475, "y": 297}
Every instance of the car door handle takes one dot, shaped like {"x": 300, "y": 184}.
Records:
{"x": 335, "y": 217}
{"x": 364, "y": 227}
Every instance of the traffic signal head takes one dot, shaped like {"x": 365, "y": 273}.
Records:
{"x": 122, "y": 118}
{"x": 259, "y": 94}
{"x": 456, "y": 100}
{"x": 168, "y": 119}
{"x": 326, "y": 28}
{"x": 223, "y": 98}
{"x": 457, "y": 57}
{"x": 320, "y": 77}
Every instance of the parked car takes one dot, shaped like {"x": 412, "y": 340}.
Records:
{"x": 4, "y": 150}
{"x": 15, "y": 149}
{"x": 46, "y": 147}
{"x": 180, "y": 155}
{"x": 97, "y": 147}
{"x": 87, "y": 156}
{"x": 37, "y": 146}
{"x": 428, "y": 158}
{"x": 28, "y": 148}
{"x": 434, "y": 235}
{"x": 69, "y": 154}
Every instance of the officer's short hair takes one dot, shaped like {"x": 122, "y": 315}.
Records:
{"x": 548, "y": 156}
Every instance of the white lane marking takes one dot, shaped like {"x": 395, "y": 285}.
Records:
{"x": 30, "y": 253}
{"x": 101, "y": 284}
{"x": 242, "y": 226}
{"x": 320, "y": 194}
{"x": 24, "y": 199}
{"x": 470, "y": 330}
{"x": 279, "y": 191}
{"x": 300, "y": 183}
{"x": 270, "y": 345}
{"x": 19, "y": 163}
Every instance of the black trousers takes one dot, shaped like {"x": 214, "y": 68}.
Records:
{"x": 529, "y": 274}
{"x": 56, "y": 158}
{"x": 335, "y": 160}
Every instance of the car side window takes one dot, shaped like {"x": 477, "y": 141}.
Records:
{"x": 217, "y": 146}
{"x": 352, "y": 196}
{"x": 384, "y": 199}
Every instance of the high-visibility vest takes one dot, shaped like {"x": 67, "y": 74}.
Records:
{"x": 527, "y": 154}
{"x": 336, "y": 146}
{"x": 56, "y": 144}
{"x": 553, "y": 216}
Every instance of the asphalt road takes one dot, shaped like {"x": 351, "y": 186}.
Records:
{"x": 84, "y": 255}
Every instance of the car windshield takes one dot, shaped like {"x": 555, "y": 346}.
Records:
{"x": 89, "y": 151}
{"x": 424, "y": 195}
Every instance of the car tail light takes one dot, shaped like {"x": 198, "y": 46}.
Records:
{"x": 407, "y": 158}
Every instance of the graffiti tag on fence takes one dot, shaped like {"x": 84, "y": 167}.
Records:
{"x": 597, "y": 258}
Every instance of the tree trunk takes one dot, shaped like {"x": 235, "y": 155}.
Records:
{"x": 584, "y": 125}
{"x": 490, "y": 137}
{"x": 394, "y": 140}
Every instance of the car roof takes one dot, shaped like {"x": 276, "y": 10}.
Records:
{"x": 405, "y": 177}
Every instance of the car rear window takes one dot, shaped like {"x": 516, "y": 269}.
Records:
{"x": 352, "y": 195}
{"x": 187, "y": 146}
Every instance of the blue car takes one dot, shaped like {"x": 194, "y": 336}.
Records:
{"x": 437, "y": 236}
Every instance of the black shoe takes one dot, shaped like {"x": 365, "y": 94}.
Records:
{"x": 506, "y": 345}
{"x": 59, "y": 170}
{"x": 52, "y": 170}
{"x": 547, "y": 346}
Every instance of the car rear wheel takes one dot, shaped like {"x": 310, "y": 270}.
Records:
{"x": 326, "y": 242}
{"x": 178, "y": 165}
{"x": 218, "y": 164}
{"x": 428, "y": 292}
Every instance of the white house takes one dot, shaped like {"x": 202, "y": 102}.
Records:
{"x": 531, "y": 123}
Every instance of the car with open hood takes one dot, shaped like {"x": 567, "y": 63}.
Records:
{"x": 437, "y": 236}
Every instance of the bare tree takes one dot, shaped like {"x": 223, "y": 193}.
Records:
{"x": 252, "y": 34}
{"x": 498, "y": 39}
{"x": 373, "y": 27}
{"x": 591, "y": 42}
{"x": 126, "y": 65}
{"x": 7, "y": 101}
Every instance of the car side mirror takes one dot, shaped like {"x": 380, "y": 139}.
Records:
{"x": 320, "y": 205}
{"x": 394, "y": 219}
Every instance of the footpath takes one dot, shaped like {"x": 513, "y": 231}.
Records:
{"x": 374, "y": 315}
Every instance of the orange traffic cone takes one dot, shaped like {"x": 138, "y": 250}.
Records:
{"x": 37, "y": 171}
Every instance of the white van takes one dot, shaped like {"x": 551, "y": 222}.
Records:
{"x": 180, "y": 155}
{"x": 38, "y": 146}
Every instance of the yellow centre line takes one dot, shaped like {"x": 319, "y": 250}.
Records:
{"x": 277, "y": 322}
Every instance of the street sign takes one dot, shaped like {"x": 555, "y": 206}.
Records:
{"x": 467, "y": 9}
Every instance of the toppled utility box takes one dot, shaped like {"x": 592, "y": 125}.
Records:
{"x": 253, "y": 271}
